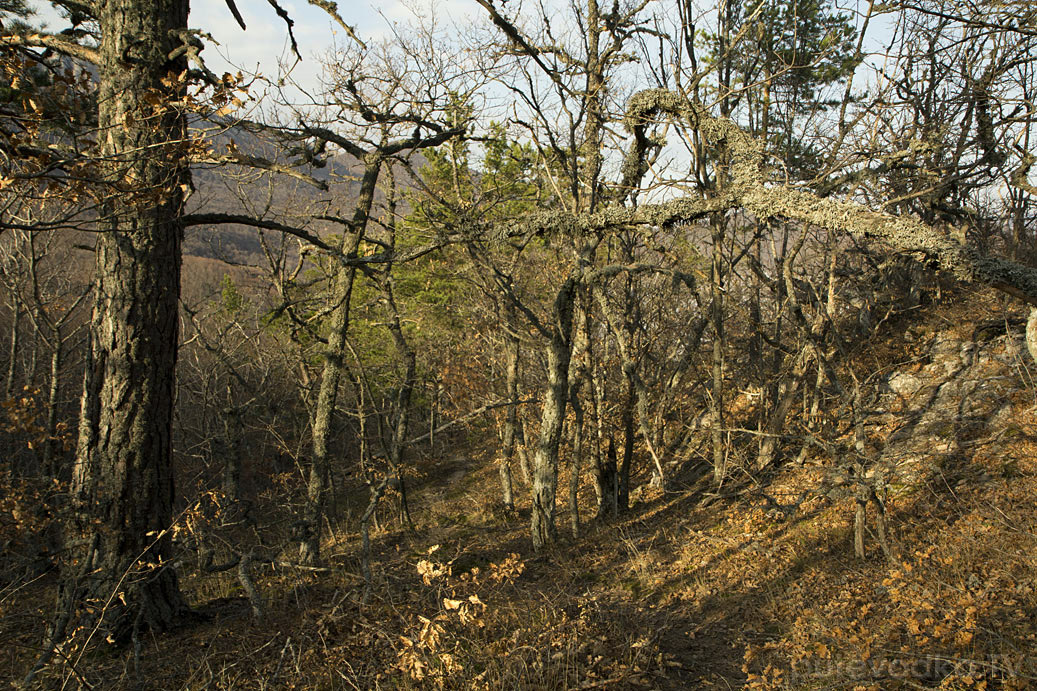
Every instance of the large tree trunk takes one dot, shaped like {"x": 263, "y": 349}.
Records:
{"x": 122, "y": 483}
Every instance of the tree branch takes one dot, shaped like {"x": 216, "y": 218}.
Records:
{"x": 241, "y": 159}
{"x": 58, "y": 44}
{"x": 749, "y": 190}
{"x": 204, "y": 219}
{"x": 237, "y": 15}
{"x": 332, "y": 9}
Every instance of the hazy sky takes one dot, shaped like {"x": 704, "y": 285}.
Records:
{"x": 265, "y": 41}
{"x": 266, "y": 38}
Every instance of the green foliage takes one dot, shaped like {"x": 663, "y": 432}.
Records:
{"x": 788, "y": 53}
{"x": 803, "y": 45}
{"x": 509, "y": 174}
{"x": 231, "y": 300}
{"x": 446, "y": 175}
{"x": 504, "y": 186}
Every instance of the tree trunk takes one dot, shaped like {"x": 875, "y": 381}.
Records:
{"x": 1031, "y": 334}
{"x": 545, "y": 462}
{"x": 432, "y": 405}
{"x": 595, "y": 395}
{"x": 576, "y": 464}
{"x": 16, "y": 313}
{"x": 623, "y": 476}
{"x": 320, "y": 467}
{"x": 50, "y": 449}
{"x": 34, "y": 358}
{"x": 406, "y": 353}
{"x": 717, "y": 398}
{"x": 623, "y": 335}
{"x": 607, "y": 479}
{"x": 510, "y": 421}
{"x": 522, "y": 452}
{"x": 122, "y": 483}
{"x": 577, "y": 376}
{"x": 334, "y": 366}
{"x": 786, "y": 395}
{"x": 232, "y": 438}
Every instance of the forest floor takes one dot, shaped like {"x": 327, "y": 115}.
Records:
{"x": 752, "y": 586}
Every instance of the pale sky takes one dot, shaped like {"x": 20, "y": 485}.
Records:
{"x": 266, "y": 39}
{"x": 265, "y": 42}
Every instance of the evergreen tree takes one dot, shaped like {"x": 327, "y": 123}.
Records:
{"x": 787, "y": 55}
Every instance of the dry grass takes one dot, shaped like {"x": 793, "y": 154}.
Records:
{"x": 686, "y": 592}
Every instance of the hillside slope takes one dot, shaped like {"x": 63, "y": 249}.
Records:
{"x": 755, "y": 586}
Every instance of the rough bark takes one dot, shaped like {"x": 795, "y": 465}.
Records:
{"x": 122, "y": 483}
{"x": 545, "y": 461}
{"x": 592, "y": 133}
{"x": 577, "y": 377}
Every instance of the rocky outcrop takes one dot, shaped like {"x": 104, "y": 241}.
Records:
{"x": 960, "y": 394}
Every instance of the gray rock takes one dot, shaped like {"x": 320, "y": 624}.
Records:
{"x": 904, "y": 384}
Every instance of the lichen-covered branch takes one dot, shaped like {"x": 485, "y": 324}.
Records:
{"x": 241, "y": 159}
{"x": 751, "y": 190}
{"x": 561, "y": 222}
{"x": 1020, "y": 176}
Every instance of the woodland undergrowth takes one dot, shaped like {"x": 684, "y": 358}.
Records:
{"x": 755, "y": 585}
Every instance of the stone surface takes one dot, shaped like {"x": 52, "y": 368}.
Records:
{"x": 904, "y": 384}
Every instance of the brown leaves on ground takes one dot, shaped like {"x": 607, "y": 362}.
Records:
{"x": 689, "y": 590}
